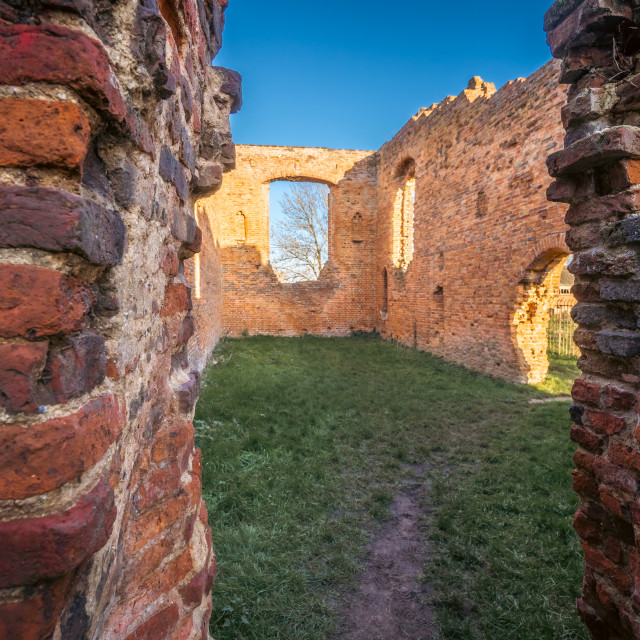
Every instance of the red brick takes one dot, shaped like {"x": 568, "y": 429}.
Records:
{"x": 160, "y": 483}
{"x": 588, "y": 392}
{"x": 35, "y": 549}
{"x": 170, "y": 263}
{"x": 584, "y": 460}
{"x": 36, "y": 302}
{"x": 192, "y": 592}
{"x": 158, "y": 625}
{"x": 42, "y": 133}
{"x": 614, "y": 475}
{"x": 613, "y": 550}
{"x": 177, "y": 298}
{"x": 587, "y": 438}
{"x": 588, "y": 528}
{"x": 45, "y": 456}
{"x": 618, "y": 400}
{"x": 625, "y": 456}
{"x": 598, "y": 561}
{"x": 184, "y": 631}
{"x": 606, "y": 422}
{"x": 74, "y": 367}
{"x": 172, "y": 443}
{"x": 20, "y": 368}
{"x": 35, "y": 617}
{"x": 143, "y": 528}
{"x": 167, "y": 577}
{"x": 584, "y": 484}
{"x": 54, "y": 220}
{"x": 613, "y": 504}
{"x": 58, "y": 55}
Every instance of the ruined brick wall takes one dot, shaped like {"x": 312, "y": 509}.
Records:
{"x": 484, "y": 237}
{"x": 466, "y": 272}
{"x": 342, "y": 299}
{"x": 598, "y": 175}
{"x": 112, "y": 123}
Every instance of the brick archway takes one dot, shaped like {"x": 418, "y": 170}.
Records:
{"x": 536, "y": 292}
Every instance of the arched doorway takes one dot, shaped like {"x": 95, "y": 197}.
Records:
{"x": 539, "y": 289}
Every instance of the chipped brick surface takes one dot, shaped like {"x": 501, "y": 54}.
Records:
{"x": 115, "y": 123}
{"x": 597, "y": 176}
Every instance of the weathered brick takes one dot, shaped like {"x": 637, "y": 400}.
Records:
{"x": 74, "y": 367}
{"x": 35, "y": 616}
{"x": 584, "y": 484}
{"x": 587, "y": 439}
{"x": 172, "y": 443}
{"x": 628, "y": 290}
{"x": 46, "y": 455}
{"x": 37, "y": 302}
{"x": 159, "y": 625}
{"x": 625, "y": 456}
{"x": 612, "y": 144}
{"x": 158, "y": 484}
{"x": 572, "y": 23}
{"x": 604, "y": 208}
{"x": 35, "y": 549}
{"x": 171, "y": 171}
{"x": 583, "y": 391}
{"x": 614, "y": 476}
{"x": 177, "y": 298}
{"x": 54, "y": 220}
{"x": 231, "y": 86}
{"x": 588, "y": 528}
{"x": 157, "y": 519}
{"x": 601, "y": 563}
{"x": 58, "y": 55}
{"x": 618, "y": 343}
{"x": 42, "y": 133}
{"x": 167, "y": 576}
{"x": 618, "y": 400}
{"x": 21, "y": 366}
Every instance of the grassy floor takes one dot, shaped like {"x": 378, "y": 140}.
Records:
{"x": 562, "y": 372}
{"x": 305, "y": 441}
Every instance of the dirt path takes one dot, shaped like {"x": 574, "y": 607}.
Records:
{"x": 391, "y": 600}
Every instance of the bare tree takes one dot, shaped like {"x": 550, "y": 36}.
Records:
{"x": 299, "y": 242}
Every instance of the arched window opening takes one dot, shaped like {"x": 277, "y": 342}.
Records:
{"x": 298, "y": 229}
{"x": 403, "y": 215}
{"x": 542, "y": 320}
{"x": 356, "y": 228}
{"x": 197, "y": 210}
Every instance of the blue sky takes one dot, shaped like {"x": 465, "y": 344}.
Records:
{"x": 349, "y": 74}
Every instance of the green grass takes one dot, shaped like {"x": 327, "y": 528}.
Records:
{"x": 305, "y": 442}
{"x": 563, "y": 370}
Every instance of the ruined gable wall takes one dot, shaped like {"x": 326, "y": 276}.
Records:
{"x": 597, "y": 174}
{"x": 112, "y": 124}
{"x": 342, "y": 299}
{"x": 481, "y": 219}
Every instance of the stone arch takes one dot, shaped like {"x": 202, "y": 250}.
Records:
{"x": 403, "y": 214}
{"x": 537, "y": 290}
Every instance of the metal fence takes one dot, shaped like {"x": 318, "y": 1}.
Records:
{"x": 560, "y": 331}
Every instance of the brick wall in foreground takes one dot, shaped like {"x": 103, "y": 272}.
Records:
{"x": 112, "y": 123}
{"x": 597, "y": 174}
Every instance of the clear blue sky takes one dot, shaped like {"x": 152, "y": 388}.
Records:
{"x": 349, "y": 74}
